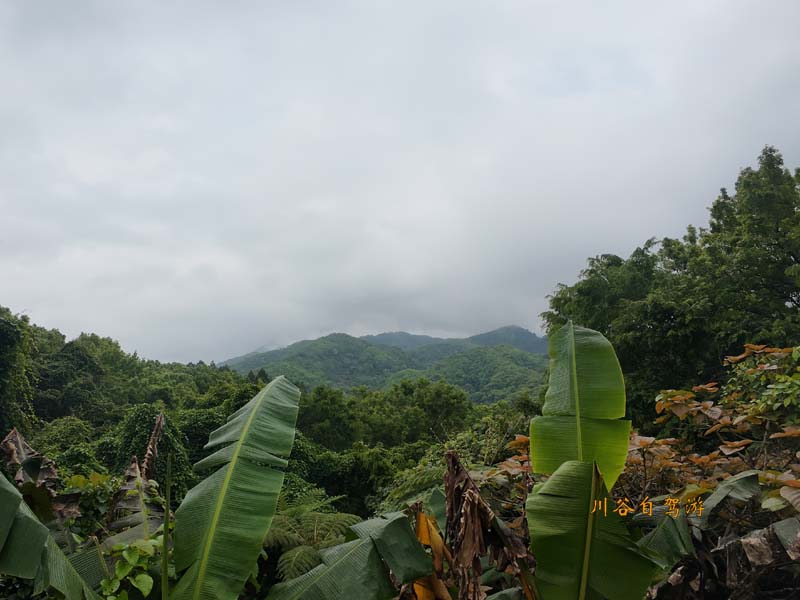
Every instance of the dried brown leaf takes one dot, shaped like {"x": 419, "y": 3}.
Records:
{"x": 148, "y": 466}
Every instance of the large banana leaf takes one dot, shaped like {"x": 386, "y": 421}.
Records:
{"x": 398, "y": 546}
{"x": 584, "y": 405}
{"x": 220, "y": 525}
{"x": 351, "y": 570}
{"x": 670, "y": 538}
{"x": 583, "y": 551}
{"x": 741, "y": 486}
{"x": 28, "y": 551}
{"x": 356, "y": 569}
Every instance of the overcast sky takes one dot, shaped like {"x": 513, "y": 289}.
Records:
{"x": 200, "y": 179}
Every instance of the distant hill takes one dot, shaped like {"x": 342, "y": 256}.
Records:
{"x": 489, "y": 366}
{"x": 427, "y": 355}
{"x": 513, "y": 336}
{"x": 337, "y": 359}
{"x": 401, "y": 339}
{"x": 487, "y": 374}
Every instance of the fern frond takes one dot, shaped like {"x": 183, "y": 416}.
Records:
{"x": 297, "y": 562}
{"x": 284, "y": 533}
{"x": 318, "y": 528}
{"x": 314, "y": 501}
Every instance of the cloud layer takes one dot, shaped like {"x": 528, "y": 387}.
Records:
{"x": 199, "y": 179}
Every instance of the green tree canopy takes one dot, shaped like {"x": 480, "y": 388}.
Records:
{"x": 675, "y": 308}
{"x": 16, "y": 389}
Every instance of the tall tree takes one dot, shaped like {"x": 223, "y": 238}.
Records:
{"x": 675, "y": 308}
{"x": 16, "y": 375}
{"x": 754, "y": 250}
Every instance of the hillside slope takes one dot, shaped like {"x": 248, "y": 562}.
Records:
{"x": 486, "y": 374}
{"x": 511, "y": 335}
{"x": 401, "y": 339}
{"x": 337, "y": 359}
{"x": 487, "y": 366}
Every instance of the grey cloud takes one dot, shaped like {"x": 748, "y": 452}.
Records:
{"x": 197, "y": 180}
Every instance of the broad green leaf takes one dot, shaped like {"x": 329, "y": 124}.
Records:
{"x": 122, "y": 568}
{"x": 358, "y": 569}
{"x": 585, "y": 376}
{"x": 109, "y": 586}
{"x": 669, "y": 541}
{"x": 222, "y": 522}
{"x": 584, "y": 405}
{"x": 579, "y": 553}
{"x": 131, "y": 555}
{"x": 28, "y": 551}
{"x": 741, "y": 486}
{"x": 603, "y": 441}
{"x": 10, "y": 499}
{"x": 398, "y": 546}
{"x": 350, "y": 570}
{"x": 142, "y": 582}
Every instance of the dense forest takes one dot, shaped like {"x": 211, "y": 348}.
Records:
{"x": 412, "y": 453}
{"x": 490, "y": 366}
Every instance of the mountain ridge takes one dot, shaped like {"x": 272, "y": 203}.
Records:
{"x": 517, "y": 336}
{"x": 490, "y": 366}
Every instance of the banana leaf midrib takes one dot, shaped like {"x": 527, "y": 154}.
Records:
{"x": 576, "y": 391}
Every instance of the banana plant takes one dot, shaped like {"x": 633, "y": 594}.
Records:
{"x": 222, "y": 522}
{"x": 583, "y": 550}
{"x": 219, "y": 527}
{"x": 27, "y": 549}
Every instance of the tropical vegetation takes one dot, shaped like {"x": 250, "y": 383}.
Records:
{"x": 676, "y": 307}
{"x": 655, "y": 452}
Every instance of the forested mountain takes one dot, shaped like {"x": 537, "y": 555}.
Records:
{"x": 90, "y": 405}
{"x": 401, "y": 339}
{"x": 511, "y": 335}
{"x": 486, "y": 374}
{"x": 489, "y": 366}
{"x": 337, "y": 359}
